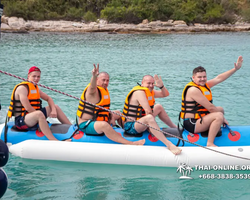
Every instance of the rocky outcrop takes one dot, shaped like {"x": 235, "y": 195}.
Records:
{"x": 14, "y": 24}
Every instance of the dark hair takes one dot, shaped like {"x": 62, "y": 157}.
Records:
{"x": 199, "y": 69}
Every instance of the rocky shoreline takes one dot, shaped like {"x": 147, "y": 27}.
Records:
{"x": 19, "y": 25}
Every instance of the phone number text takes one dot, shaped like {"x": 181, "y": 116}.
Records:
{"x": 224, "y": 176}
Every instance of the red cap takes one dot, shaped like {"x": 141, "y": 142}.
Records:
{"x": 33, "y": 69}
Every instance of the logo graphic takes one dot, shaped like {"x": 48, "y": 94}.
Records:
{"x": 185, "y": 170}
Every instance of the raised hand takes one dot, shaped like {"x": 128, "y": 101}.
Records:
{"x": 158, "y": 81}
{"x": 95, "y": 71}
{"x": 239, "y": 63}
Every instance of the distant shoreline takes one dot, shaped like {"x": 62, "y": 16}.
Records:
{"x": 19, "y": 25}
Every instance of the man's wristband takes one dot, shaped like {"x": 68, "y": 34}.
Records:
{"x": 161, "y": 87}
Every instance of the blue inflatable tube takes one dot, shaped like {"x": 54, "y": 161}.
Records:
{"x": 63, "y": 131}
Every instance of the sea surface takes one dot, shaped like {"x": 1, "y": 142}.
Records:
{"x": 66, "y": 61}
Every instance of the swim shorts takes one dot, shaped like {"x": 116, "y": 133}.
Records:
{"x": 20, "y": 124}
{"x": 129, "y": 128}
{"x": 189, "y": 124}
{"x": 88, "y": 127}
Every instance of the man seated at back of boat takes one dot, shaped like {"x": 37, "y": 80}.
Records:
{"x": 27, "y": 109}
{"x": 140, "y": 105}
{"x": 198, "y": 111}
{"x": 93, "y": 119}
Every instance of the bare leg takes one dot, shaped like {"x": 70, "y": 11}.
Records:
{"x": 60, "y": 115}
{"x": 162, "y": 114}
{"x": 150, "y": 120}
{"x": 213, "y": 130}
{"x": 115, "y": 118}
{"x": 213, "y": 122}
{"x": 35, "y": 117}
{"x": 104, "y": 127}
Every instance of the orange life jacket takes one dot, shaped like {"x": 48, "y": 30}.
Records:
{"x": 98, "y": 113}
{"x": 137, "y": 111}
{"x": 192, "y": 106}
{"x": 33, "y": 96}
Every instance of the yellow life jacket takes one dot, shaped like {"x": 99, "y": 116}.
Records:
{"x": 33, "y": 96}
{"x": 192, "y": 106}
{"x": 137, "y": 111}
{"x": 97, "y": 113}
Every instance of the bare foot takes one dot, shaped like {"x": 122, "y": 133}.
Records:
{"x": 211, "y": 145}
{"x": 139, "y": 142}
{"x": 174, "y": 149}
{"x": 68, "y": 140}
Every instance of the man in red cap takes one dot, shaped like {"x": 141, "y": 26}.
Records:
{"x": 27, "y": 109}
{"x": 33, "y": 69}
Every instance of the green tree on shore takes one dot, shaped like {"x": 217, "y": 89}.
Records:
{"x": 130, "y": 11}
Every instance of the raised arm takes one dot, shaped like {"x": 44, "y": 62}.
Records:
{"x": 222, "y": 77}
{"x": 163, "y": 90}
{"x": 93, "y": 82}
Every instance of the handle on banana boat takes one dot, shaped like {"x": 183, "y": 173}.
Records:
{"x": 230, "y": 130}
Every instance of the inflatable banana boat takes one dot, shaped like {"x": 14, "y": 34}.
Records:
{"x": 233, "y": 147}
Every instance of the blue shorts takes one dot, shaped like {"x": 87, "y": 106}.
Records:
{"x": 189, "y": 124}
{"x": 88, "y": 127}
{"x": 129, "y": 128}
{"x": 20, "y": 124}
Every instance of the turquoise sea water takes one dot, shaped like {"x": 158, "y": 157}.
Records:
{"x": 66, "y": 61}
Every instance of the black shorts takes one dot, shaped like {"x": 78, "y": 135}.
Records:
{"x": 20, "y": 124}
{"x": 189, "y": 124}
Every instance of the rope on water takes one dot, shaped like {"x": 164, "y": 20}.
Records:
{"x": 166, "y": 133}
